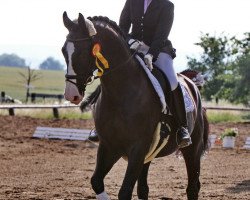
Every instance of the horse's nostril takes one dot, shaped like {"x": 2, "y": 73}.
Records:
{"x": 76, "y": 98}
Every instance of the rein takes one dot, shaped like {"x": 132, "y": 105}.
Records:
{"x": 122, "y": 64}
{"x": 100, "y": 70}
{"x": 96, "y": 53}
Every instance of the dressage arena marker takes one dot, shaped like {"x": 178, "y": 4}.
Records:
{"x": 61, "y": 133}
{"x": 247, "y": 144}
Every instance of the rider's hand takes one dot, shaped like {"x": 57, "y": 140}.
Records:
{"x": 148, "y": 58}
{"x": 134, "y": 44}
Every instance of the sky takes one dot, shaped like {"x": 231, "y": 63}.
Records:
{"x": 33, "y": 29}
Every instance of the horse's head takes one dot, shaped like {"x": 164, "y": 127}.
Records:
{"x": 77, "y": 51}
{"x": 86, "y": 51}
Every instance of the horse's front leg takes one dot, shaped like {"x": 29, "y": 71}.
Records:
{"x": 106, "y": 158}
{"x": 142, "y": 184}
{"x": 135, "y": 164}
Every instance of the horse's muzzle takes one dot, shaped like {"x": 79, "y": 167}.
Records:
{"x": 72, "y": 94}
{"x": 76, "y": 100}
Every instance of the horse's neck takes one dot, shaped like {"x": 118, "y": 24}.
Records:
{"x": 124, "y": 75}
{"x": 125, "y": 81}
{"x": 123, "y": 72}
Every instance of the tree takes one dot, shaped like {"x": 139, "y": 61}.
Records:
{"x": 11, "y": 60}
{"x": 51, "y": 64}
{"x": 241, "y": 91}
{"x": 217, "y": 61}
{"x": 31, "y": 76}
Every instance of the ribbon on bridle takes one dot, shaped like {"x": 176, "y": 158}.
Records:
{"x": 96, "y": 51}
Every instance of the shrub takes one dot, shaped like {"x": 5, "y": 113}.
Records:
{"x": 233, "y": 132}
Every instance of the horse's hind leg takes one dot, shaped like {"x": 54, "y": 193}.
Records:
{"x": 106, "y": 158}
{"x": 192, "y": 158}
{"x": 142, "y": 185}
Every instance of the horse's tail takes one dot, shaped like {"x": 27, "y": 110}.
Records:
{"x": 206, "y": 130}
{"x": 91, "y": 99}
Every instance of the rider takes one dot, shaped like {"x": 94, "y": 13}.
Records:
{"x": 151, "y": 22}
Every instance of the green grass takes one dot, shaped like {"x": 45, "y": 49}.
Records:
{"x": 217, "y": 116}
{"x": 52, "y": 82}
{"x": 227, "y": 116}
{"x": 67, "y": 113}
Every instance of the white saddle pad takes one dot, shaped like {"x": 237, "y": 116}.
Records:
{"x": 187, "y": 99}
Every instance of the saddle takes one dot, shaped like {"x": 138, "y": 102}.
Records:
{"x": 162, "y": 87}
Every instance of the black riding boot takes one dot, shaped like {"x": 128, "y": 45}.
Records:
{"x": 93, "y": 136}
{"x": 183, "y": 138}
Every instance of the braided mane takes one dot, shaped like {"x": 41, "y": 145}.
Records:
{"x": 110, "y": 23}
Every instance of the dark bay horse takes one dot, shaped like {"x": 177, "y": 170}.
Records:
{"x": 127, "y": 110}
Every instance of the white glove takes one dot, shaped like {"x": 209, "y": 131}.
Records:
{"x": 148, "y": 58}
{"x": 134, "y": 44}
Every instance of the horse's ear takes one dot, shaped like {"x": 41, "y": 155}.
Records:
{"x": 67, "y": 22}
{"x": 82, "y": 23}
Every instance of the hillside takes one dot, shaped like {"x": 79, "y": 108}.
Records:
{"x": 52, "y": 82}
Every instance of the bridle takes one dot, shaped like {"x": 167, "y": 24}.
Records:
{"x": 69, "y": 78}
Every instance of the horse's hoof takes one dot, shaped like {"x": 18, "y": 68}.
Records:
{"x": 93, "y": 137}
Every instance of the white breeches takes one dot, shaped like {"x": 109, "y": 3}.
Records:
{"x": 165, "y": 63}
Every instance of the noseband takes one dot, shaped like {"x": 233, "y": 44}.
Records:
{"x": 69, "y": 78}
